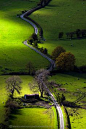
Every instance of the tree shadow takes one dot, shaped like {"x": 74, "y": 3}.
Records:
{"x": 69, "y": 39}
{"x": 76, "y": 74}
{"x": 71, "y": 104}
{"x": 50, "y": 5}
{"x": 14, "y": 113}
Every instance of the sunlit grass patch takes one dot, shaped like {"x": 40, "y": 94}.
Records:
{"x": 4, "y": 94}
{"x": 35, "y": 118}
{"x": 14, "y": 55}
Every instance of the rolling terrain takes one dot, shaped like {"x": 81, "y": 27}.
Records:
{"x": 63, "y": 16}
{"x": 14, "y": 55}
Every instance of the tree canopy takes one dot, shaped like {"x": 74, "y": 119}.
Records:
{"x": 65, "y": 61}
{"x": 40, "y": 79}
{"x": 13, "y": 84}
{"x": 57, "y": 51}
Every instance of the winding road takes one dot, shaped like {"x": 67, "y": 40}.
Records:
{"x": 25, "y": 19}
{"x": 51, "y": 66}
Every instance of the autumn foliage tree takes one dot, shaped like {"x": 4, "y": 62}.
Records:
{"x": 57, "y": 51}
{"x": 65, "y": 61}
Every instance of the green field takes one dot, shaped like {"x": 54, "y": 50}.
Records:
{"x": 59, "y": 15}
{"x": 3, "y": 92}
{"x": 27, "y": 116}
{"x": 74, "y": 85}
{"x": 63, "y": 16}
{"x": 14, "y": 55}
{"x": 35, "y": 118}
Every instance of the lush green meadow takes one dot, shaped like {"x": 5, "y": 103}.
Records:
{"x": 14, "y": 55}
{"x": 63, "y": 16}
{"x": 59, "y": 15}
{"x": 27, "y": 116}
{"x": 75, "y": 86}
{"x": 35, "y": 118}
{"x": 4, "y": 94}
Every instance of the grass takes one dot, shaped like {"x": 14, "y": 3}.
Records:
{"x": 14, "y": 55}
{"x": 78, "y": 120}
{"x": 65, "y": 16}
{"x": 74, "y": 84}
{"x": 42, "y": 116}
{"x": 59, "y": 16}
{"x": 4, "y": 94}
{"x": 35, "y": 117}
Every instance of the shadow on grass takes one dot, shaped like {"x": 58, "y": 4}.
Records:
{"x": 14, "y": 113}
{"x": 71, "y": 104}
{"x": 71, "y": 73}
{"x": 69, "y": 39}
{"x": 50, "y": 6}
{"x": 76, "y": 74}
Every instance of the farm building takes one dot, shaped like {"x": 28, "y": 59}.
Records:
{"x": 31, "y": 96}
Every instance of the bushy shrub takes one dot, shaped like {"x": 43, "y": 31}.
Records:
{"x": 35, "y": 44}
{"x": 44, "y": 50}
{"x": 30, "y": 41}
{"x": 11, "y": 104}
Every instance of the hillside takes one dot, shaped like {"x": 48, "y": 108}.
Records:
{"x": 14, "y": 55}
{"x": 63, "y": 16}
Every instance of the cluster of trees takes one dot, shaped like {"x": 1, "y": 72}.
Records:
{"x": 65, "y": 61}
{"x": 33, "y": 40}
{"x": 76, "y": 34}
{"x": 57, "y": 51}
{"x": 43, "y": 50}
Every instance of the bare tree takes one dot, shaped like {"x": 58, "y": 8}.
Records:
{"x": 41, "y": 77}
{"x": 13, "y": 84}
{"x": 30, "y": 68}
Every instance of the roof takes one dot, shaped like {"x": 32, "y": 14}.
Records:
{"x": 31, "y": 94}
